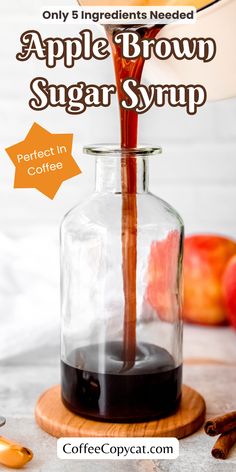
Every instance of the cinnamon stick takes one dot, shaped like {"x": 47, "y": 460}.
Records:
{"x": 223, "y": 445}
{"x": 221, "y": 424}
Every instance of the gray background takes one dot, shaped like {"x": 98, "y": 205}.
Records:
{"x": 196, "y": 174}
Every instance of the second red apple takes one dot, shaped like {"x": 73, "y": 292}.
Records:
{"x": 229, "y": 290}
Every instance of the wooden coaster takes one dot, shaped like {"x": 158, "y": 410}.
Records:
{"x": 54, "y": 418}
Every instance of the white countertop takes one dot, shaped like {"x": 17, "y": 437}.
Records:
{"x": 210, "y": 367}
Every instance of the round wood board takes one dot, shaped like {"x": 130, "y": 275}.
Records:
{"x": 54, "y": 418}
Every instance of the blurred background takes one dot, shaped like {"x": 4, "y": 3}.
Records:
{"x": 196, "y": 174}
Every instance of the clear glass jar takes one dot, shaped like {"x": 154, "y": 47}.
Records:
{"x": 117, "y": 365}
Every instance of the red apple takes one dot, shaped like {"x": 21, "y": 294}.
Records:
{"x": 162, "y": 276}
{"x": 205, "y": 260}
{"x": 229, "y": 290}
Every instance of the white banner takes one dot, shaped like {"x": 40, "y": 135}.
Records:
{"x": 119, "y": 15}
{"x": 117, "y": 448}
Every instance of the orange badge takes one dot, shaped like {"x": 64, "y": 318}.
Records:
{"x": 43, "y": 160}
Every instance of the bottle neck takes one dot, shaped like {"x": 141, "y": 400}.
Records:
{"x": 112, "y": 172}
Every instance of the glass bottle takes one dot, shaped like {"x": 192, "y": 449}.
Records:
{"x": 98, "y": 380}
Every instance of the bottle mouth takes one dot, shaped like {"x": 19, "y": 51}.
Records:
{"x": 114, "y": 150}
